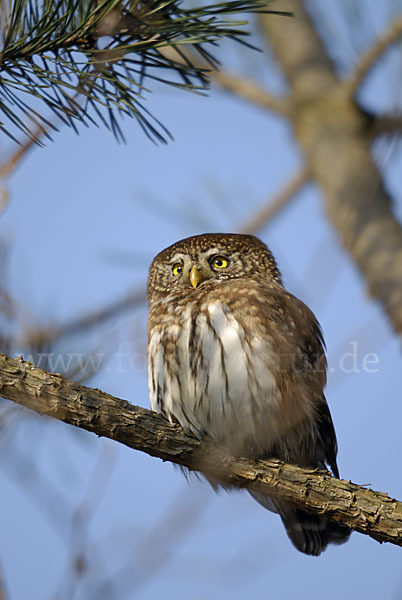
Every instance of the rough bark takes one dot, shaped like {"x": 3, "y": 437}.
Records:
{"x": 333, "y": 132}
{"x": 367, "y": 511}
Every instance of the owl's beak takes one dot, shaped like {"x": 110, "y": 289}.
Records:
{"x": 195, "y": 276}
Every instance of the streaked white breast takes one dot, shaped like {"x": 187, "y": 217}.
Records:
{"x": 216, "y": 381}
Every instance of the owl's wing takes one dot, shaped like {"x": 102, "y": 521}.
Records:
{"x": 300, "y": 332}
{"x": 314, "y": 348}
{"x": 312, "y": 443}
{"x": 327, "y": 437}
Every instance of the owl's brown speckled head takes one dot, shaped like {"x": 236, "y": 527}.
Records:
{"x": 192, "y": 262}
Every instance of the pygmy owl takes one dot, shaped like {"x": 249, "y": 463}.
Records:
{"x": 234, "y": 356}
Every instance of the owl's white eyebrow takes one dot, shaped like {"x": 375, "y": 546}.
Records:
{"x": 215, "y": 250}
{"x": 176, "y": 257}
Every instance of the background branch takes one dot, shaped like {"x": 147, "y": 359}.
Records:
{"x": 373, "y": 54}
{"x": 93, "y": 318}
{"x": 238, "y": 85}
{"x": 276, "y": 204}
{"x": 367, "y": 511}
{"x": 250, "y": 91}
{"x": 332, "y": 129}
{"x": 386, "y": 124}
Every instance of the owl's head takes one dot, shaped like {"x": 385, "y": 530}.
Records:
{"x": 193, "y": 262}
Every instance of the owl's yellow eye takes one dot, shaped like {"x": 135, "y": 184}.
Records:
{"x": 220, "y": 262}
{"x": 177, "y": 269}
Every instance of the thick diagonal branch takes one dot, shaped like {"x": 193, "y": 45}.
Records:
{"x": 367, "y": 511}
{"x": 334, "y": 134}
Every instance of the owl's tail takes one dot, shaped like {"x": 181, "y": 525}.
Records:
{"x": 309, "y": 533}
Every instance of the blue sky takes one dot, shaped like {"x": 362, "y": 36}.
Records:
{"x": 85, "y": 218}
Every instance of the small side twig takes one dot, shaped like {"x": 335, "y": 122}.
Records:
{"x": 386, "y": 124}
{"x": 277, "y": 203}
{"x": 239, "y": 86}
{"x": 49, "y": 335}
{"x": 250, "y": 91}
{"x": 373, "y": 54}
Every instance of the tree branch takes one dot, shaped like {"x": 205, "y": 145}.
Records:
{"x": 248, "y": 90}
{"x": 275, "y": 205}
{"x": 386, "y": 124}
{"x": 373, "y": 54}
{"x": 239, "y": 86}
{"x": 48, "y": 335}
{"x": 14, "y": 160}
{"x": 333, "y": 132}
{"x": 367, "y": 511}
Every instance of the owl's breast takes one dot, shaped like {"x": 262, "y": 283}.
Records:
{"x": 207, "y": 372}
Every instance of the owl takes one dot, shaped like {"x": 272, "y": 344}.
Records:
{"x": 233, "y": 356}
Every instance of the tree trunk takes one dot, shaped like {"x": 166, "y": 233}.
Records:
{"x": 333, "y": 131}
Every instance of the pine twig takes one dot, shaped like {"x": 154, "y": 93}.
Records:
{"x": 53, "y": 50}
{"x": 373, "y": 54}
{"x": 367, "y": 511}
